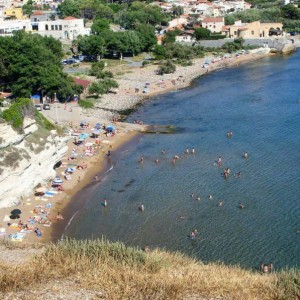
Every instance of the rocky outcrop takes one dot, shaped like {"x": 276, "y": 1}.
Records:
{"x": 284, "y": 46}
{"x": 27, "y": 159}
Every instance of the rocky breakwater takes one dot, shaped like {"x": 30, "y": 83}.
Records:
{"x": 27, "y": 159}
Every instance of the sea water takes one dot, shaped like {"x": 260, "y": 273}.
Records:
{"x": 260, "y": 103}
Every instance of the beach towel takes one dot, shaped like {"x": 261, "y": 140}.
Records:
{"x": 2, "y": 231}
{"x": 17, "y": 237}
{"x": 6, "y": 218}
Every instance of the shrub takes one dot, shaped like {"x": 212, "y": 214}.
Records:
{"x": 17, "y": 111}
{"x": 166, "y": 68}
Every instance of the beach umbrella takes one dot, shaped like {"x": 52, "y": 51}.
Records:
{"x": 70, "y": 170}
{"x": 15, "y": 212}
{"x": 14, "y": 217}
{"x": 98, "y": 126}
{"x": 110, "y": 128}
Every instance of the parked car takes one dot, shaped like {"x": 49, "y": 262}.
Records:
{"x": 70, "y": 61}
{"x": 46, "y": 106}
{"x": 38, "y": 107}
{"x": 80, "y": 58}
{"x": 293, "y": 33}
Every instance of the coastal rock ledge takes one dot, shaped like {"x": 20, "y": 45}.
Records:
{"x": 27, "y": 159}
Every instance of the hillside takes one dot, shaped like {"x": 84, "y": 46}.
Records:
{"x": 102, "y": 270}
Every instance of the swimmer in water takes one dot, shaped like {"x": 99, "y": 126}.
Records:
{"x": 156, "y": 161}
{"x": 141, "y": 160}
{"x": 142, "y": 208}
{"x": 219, "y": 161}
{"x": 241, "y": 206}
{"x": 246, "y": 155}
{"x": 104, "y": 202}
{"x": 187, "y": 151}
{"x": 198, "y": 198}
{"x": 221, "y": 203}
{"x": 181, "y": 217}
{"x": 163, "y": 151}
{"x": 210, "y": 197}
{"x": 193, "y": 151}
{"x": 238, "y": 174}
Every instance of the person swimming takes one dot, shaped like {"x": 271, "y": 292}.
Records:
{"x": 156, "y": 161}
{"x": 142, "y": 208}
{"x": 104, "y": 202}
{"x": 193, "y": 151}
{"x": 238, "y": 174}
{"x": 163, "y": 151}
{"x": 220, "y": 204}
{"x": 245, "y": 155}
{"x": 241, "y": 206}
{"x": 198, "y": 198}
{"x": 219, "y": 161}
{"x": 141, "y": 160}
{"x": 210, "y": 197}
{"x": 187, "y": 151}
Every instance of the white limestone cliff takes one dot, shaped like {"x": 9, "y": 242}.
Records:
{"x": 27, "y": 159}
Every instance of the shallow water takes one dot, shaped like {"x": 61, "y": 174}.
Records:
{"x": 260, "y": 103}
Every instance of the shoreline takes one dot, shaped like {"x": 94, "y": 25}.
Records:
{"x": 65, "y": 202}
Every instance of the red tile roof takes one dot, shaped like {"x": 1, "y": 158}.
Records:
{"x": 37, "y": 13}
{"x": 213, "y": 20}
{"x": 82, "y": 82}
{"x": 70, "y": 18}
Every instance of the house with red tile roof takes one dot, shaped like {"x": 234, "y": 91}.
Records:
{"x": 82, "y": 82}
{"x": 214, "y": 24}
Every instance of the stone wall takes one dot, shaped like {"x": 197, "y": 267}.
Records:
{"x": 276, "y": 43}
{"x": 27, "y": 159}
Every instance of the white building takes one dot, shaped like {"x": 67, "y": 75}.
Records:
{"x": 68, "y": 28}
{"x": 214, "y": 24}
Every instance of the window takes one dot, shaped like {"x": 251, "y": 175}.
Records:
{"x": 35, "y": 20}
{"x": 60, "y": 27}
{"x": 52, "y": 27}
{"x": 235, "y": 32}
{"x": 46, "y": 26}
{"x": 56, "y": 27}
{"x": 214, "y": 26}
{"x": 252, "y": 32}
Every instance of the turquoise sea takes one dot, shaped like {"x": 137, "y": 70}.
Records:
{"x": 260, "y": 103}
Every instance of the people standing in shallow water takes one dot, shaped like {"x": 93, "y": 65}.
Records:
{"x": 219, "y": 161}
{"x": 193, "y": 151}
{"x": 142, "y": 208}
{"x": 246, "y": 155}
{"x": 141, "y": 160}
{"x": 187, "y": 151}
{"x": 229, "y": 134}
{"x": 104, "y": 202}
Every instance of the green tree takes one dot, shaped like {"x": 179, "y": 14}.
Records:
{"x": 159, "y": 52}
{"x": 289, "y": 11}
{"x": 229, "y": 20}
{"x": 170, "y": 36}
{"x": 99, "y": 26}
{"x": 102, "y": 86}
{"x": 91, "y": 45}
{"x": 201, "y": 33}
{"x": 167, "y": 67}
{"x": 147, "y": 36}
{"x": 69, "y": 8}
{"x": 31, "y": 64}
{"x": 28, "y": 8}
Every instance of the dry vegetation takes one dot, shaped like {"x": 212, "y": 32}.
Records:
{"x": 112, "y": 271}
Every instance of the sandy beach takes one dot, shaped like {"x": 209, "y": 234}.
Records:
{"x": 91, "y": 157}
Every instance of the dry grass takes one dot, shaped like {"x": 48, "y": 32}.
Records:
{"x": 121, "y": 272}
